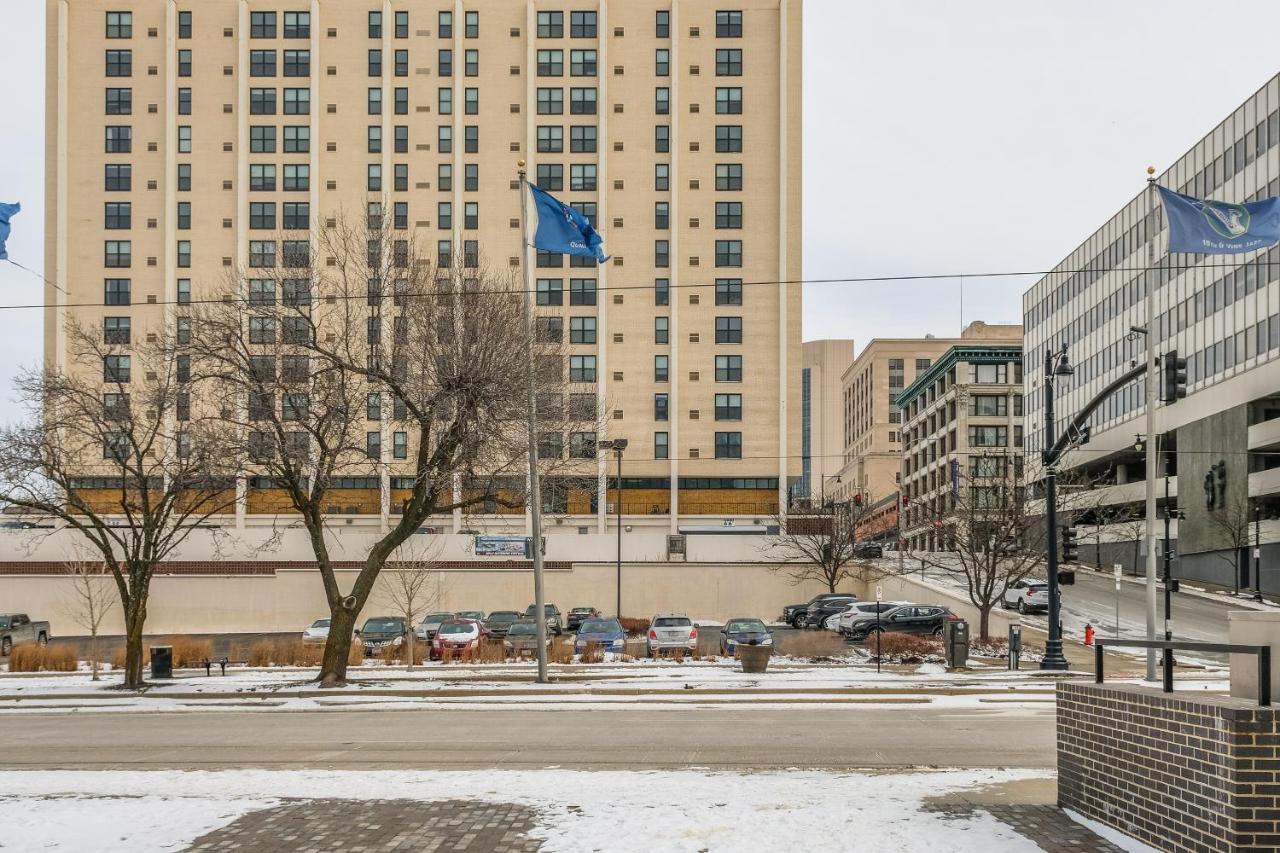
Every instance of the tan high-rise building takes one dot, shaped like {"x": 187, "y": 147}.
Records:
{"x": 872, "y": 420}
{"x": 821, "y": 417}
{"x": 183, "y": 135}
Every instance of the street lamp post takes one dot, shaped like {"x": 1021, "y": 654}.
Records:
{"x": 1257, "y": 551}
{"x": 1055, "y": 364}
{"x": 617, "y": 445}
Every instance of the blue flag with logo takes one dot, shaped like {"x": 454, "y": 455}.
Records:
{"x": 1220, "y": 227}
{"x": 7, "y": 210}
{"x": 560, "y": 228}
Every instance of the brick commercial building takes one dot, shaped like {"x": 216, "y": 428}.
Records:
{"x": 191, "y": 141}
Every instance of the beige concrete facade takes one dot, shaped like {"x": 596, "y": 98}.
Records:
{"x": 962, "y": 438}
{"x": 821, "y": 417}
{"x": 674, "y": 124}
{"x": 872, "y": 422}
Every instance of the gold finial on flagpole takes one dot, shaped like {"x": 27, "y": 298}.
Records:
{"x": 520, "y": 164}
{"x": 1151, "y": 170}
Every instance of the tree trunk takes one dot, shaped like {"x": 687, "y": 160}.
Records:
{"x": 337, "y": 648}
{"x": 409, "y": 637}
{"x": 984, "y": 621}
{"x": 94, "y": 653}
{"x": 135, "y": 617}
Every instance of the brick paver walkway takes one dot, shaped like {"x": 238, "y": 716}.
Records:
{"x": 1048, "y": 826}
{"x": 377, "y": 826}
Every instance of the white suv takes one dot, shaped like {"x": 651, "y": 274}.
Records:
{"x": 861, "y": 610}
{"x": 1027, "y": 596}
{"x": 669, "y": 632}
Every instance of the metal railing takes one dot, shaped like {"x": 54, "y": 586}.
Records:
{"x": 1168, "y": 647}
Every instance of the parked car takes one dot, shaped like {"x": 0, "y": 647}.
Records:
{"x": 819, "y": 611}
{"x": 1027, "y": 596}
{"x": 381, "y": 631}
{"x": 606, "y": 633}
{"x": 926, "y": 619}
{"x": 861, "y": 609}
{"x": 521, "y": 638}
{"x": 744, "y": 632}
{"x": 477, "y": 615}
{"x": 792, "y": 613}
{"x": 430, "y": 624}
{"x": 456, "y": 637}
{"x": 868, "y": 551}
{"x": 578, "y": 615}
{"x": 17, "y": 628}
{"x": 552, "y": 614}
{"x": 669, "y": 632}
{"x": 499, "y": 622}
{"x": 316, "y": 632}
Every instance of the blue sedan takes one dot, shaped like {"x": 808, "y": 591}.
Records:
{"x": 743, "y": 632}
{"x": 607, "y": 634}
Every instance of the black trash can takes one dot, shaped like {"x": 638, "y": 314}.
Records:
{"x": 162, "y": 661}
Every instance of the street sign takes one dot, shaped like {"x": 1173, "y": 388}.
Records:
{"x": 1119, "y": 569}
{"x": 1257, "y": 552}
{"x": 879, "y": 593}
{"x": 501, "y": 546}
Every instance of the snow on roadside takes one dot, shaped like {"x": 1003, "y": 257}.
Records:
{"x": 682, "y": 810}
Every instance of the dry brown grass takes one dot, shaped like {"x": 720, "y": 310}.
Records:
{"x": 188, "y": 651}
{"x": 811, "y": 644}
{"x": 491, "y": 651}
{"x": 561, "y": 651}
{"x": 355, "y": 655}
{"x": 905, "y": 648}
{"x": 592, "y": 653}
{"x": 33, "y": 658}
{"x": 634, "y": 626}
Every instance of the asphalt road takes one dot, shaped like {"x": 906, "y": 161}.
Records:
{"x": 840, "y": 738}
{"x": 1093, "y": 597}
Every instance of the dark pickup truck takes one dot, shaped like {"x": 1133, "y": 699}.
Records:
{"x": 17, "y": 628}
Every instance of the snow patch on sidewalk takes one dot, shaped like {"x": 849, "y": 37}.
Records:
{"x": 1115, "y": 836}
{"x": 683, "y": 810}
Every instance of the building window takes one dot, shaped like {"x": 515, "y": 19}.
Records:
{"x": 582, "y": 139}
{"x": 471, "y": 63}
{"x": 582, "y": 291}
{"x": 262, "y": 25}
{"x": 297, "y": 139}
{"x": 262, "y": 291}
{"x": 471, "y": 215}
{"x": 471, "y": 102}
{"x": 662, "y": 177}
{"x": 582, "y": 63}
{"x": 550, "y": 291}
{"x": 297, "y": 63}
{"x": 922, "y": 364}
{"x": 117, "y": 253}
{"x": 988, "y": 436}
{"x": 119, "y": 139}
{"x": 262, "y": 254}
{"x": 550, "y": 139}
{"x": 120, "y": 102}
{"x": 373, "y": 178}
{"x": 582, "y": 101}
{"x": 582, "y": 445}
{"x": 297, "y": 25}
{"x": 373, "y": 444}
{"x": 582, "y": 330}
{"x": 115, "y": 368}
{"x": 582, "y": 25}
{"x": 262, "y": 63}
{"x": 988, "y": 374}
{"x": 118, "y": 177}
{"x": 661, "y": 368}
{"x": 728, "y": 445}
{"x": 728, "y": 407}
{"x": 728, "y": 253}
{"x": 184, "y": 177}
{"x": 262, "y": 101}
{"x": 297, "y": 216}
{"x": 375, "y": 62}
{"x": 184, "y": 63}
{"x": 989, "y": 405}
{"x": 662, "y": 291}
{"x": 661, "y": 253}
{"x": 582, "y": 177}
{"x": 728, "y": 176}
{"x": 184, "y": 291}
{"x": 262, "y": 215}
{"x": 471, "y": 139}
{"x": 444, "y": 139}
{"x": 728, "y": 138}
{"x": 115, "y": 330}
{"x": 550, "y": 25}
{"x": 661, "y": 448}
{"x": 662, "y": 100}
{"x": 184, "y": 216}
{"x": 184, "y": 139}
{"x": 444, "y": 25}
{"x": 375, "y": 139}
{"x": 444, "y": 177}
{"x": 582, "y": 368}
{"x": 728, "y": 291}
{"x": 117, "y": 215}
{"x": 119, "y": 25}
{"x": 662, "y": 62}
{"x": 400, "y": 445}
{"x": 729, "y": 62}
{"x": 119, "y": 63}
{"x": 662, "y": 215}
{"x": 663, "y": 24}
{"x": 661, "y": 330}
{"x": 262, "y": 139}
{"x": 444, "y": 215}
{"x": 728, "y": 330}
{"x": 116, "y": 291}
{"x": 661, "y": 407}
{"x": 728, "y": 100}
{"x": 728, "y": 368}
{"x": 728, "y": 214}
{"x": 402, "y": 25}
{"x": 729, "y": 24}
{"x": 471, "y": 23}
{"x": 662, "y": 139}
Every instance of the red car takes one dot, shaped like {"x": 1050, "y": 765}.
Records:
{"x": 456, "y": 638}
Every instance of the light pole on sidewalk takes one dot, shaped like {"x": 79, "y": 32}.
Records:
{"x": 617, "y": 445}
{"x": 1055, "y": 364}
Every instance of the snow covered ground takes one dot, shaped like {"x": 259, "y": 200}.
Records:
{"x": 685, "y": 810}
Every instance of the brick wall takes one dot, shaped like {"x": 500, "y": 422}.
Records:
{"x": 1178, "y": 771}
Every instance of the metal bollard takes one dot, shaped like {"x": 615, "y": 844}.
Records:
{"x": 207, "y": 665}
{"x": 1015, "y": 646}
{"x": 223, "y": 663}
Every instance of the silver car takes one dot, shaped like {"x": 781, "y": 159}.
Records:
{"x": 316, "y": 632}
{"x": 430, "y": 624}
{"x": 669, "y": 632}
{"x": 1027, "y": 596}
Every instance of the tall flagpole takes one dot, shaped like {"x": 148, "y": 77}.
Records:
{"x": 1151, "y": 423}
{"x": 535, "y": 487}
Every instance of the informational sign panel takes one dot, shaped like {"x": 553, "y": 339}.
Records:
{"x": 501, "y": 546}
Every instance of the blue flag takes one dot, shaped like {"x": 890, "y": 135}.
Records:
{"x": 1220, "y": 227}
{"x": 560, "y": 228}
{"x": 6, "y": 211}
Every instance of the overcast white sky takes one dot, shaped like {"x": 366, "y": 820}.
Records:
{"x": 940, "y": 137}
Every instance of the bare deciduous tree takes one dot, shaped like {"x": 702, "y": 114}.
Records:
{"x": 1233, "y": 523}
{"x": 329, "y": 353}
{"x": 412, "y": 586}
{"x": 113, "y": 448}
{"x": 822, "y": 545}
{"x": 90, "y": 600}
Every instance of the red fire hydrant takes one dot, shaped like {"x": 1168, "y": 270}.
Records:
{"x": 1088, "y": 634}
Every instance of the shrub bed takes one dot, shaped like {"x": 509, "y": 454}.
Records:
{"x": 33, "y": 658}
{"x": 905, "y": 648}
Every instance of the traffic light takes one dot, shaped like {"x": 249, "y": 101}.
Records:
{"x": 1174, "y": 385}
{"x": 1070, "y": 548}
